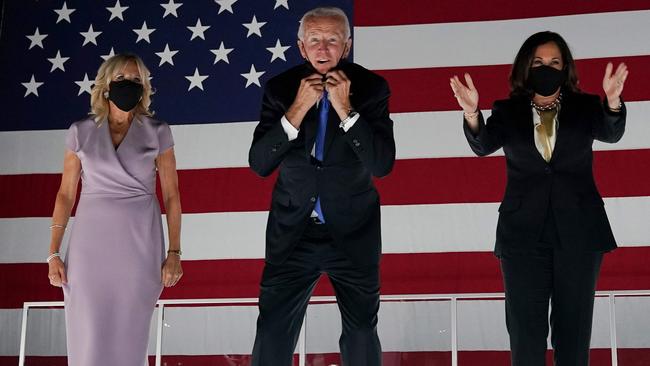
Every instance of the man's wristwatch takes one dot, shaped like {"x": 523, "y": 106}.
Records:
{"x": 347, "y": 119}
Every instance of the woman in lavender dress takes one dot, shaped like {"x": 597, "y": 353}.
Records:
{"x": 115, "y": 265}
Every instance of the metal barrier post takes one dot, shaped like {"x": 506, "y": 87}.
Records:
{"x": 454, "y": 331}
{"x": 23, "y": 335}
{"x": 612, "y": 328}
{"x": 159, "y": 330}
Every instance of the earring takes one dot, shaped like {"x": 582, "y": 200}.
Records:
{"x": 105, "y": 94}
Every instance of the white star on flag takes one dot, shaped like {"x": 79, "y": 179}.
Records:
{"x": 221, "y": 53}
{"x": 32, "y": 86}
{"x": 225, "y": 5}
{"x": 253, "y": 76}
{"x": 143, "y": 33}
{"x": 279, "y": 3}
{"x": 196, "y": 80}
{"x": 278, "y": 51}
{"x": 166, "y": 56}
{"x": 36, "y": 39}
{"x": 254, "y": 27}
{"x": 170, "y": 8}
{"x": 110, "y": 54}
{"x": 58, "y": 61}
{"x": 198, "y": 30}
{"x": 64, "y": 13}
{"x": 116, "y": 11}
{"x": 90, "y": 36}
{"x": 85, "y": 85}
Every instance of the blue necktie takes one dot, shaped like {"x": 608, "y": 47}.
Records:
{"x": 320, "y": 142}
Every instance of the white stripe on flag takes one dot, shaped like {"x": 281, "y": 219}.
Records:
{"x": 467, "y": 227}
{"x": 224, "y": 145}
{"x": 497, "y": 42}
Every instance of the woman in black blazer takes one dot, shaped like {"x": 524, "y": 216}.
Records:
{"x": 552, "y": 229}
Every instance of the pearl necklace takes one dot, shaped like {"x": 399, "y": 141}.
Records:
{"x": 554, "y": 104}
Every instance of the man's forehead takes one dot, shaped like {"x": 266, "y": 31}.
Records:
{"x": 324, "y": 25}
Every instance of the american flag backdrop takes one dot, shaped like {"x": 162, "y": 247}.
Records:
{"x": 209, "y": 62}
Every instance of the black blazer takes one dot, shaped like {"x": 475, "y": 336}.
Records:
{"x": 565, "y": 184}
{"x": 343, "y": 181}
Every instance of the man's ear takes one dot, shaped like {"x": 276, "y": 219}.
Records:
{"x": 348, "y": 48}
{"x": 301, "y": 47}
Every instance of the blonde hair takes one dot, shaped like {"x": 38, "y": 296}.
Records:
{"x": 99, "y": 106}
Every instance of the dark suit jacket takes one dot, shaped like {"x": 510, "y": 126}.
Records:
{"x": 343, "y": 181}
{"x": 564, "y": 185}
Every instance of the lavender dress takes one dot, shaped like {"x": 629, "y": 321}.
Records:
{"x": 116, "y": 247}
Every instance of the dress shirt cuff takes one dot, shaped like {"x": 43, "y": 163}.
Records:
{"x": 292, "y": 132}
{"x": 348, "y": 125}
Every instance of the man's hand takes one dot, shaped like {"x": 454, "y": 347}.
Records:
{"x": 338, "y": 89}
{"x": 310, "y": 91}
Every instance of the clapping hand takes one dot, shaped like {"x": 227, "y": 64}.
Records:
{"x": 467, "y": 96}
{"x": 613, "y": 84}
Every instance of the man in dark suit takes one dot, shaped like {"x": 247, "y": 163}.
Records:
{"x": 325, "y": 126}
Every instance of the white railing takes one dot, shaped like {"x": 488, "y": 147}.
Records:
{"x": 302, "y": 341}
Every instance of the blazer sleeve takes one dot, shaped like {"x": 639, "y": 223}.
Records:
{"x": 270, "y": 142}
{"x": 490, "y": 135}
{"x": 371, "y": 137}
{"x": 609, "y": 126}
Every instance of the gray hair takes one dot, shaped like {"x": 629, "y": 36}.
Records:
{"x": 325, "y": 12}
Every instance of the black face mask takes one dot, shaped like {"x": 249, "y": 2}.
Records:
{"x": 545, "y": 80}
{"x": 125, "y": 94}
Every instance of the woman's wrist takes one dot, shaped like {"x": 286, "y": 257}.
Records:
{"x": 471, "y": 116}
{"x": 614, "y": 105}
{"x": 176, "y": 252}
{"x": 52, "y": 256}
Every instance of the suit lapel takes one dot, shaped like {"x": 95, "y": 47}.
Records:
{"x": 527, "y": 127}
{"x": 333, "y": 120}
{"x": 310, "y": 125}
{"x": 564, "y": 118}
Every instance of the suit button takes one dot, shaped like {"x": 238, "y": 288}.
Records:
{"x": 313, "y": 199}
{"x": 548, "y": 170}
{"x": 318, "y": 167}
{"x": 356, "y": 142}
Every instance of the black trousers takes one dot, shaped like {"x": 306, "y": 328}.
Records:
{"x": 285, "y": 291}
{"x": 568, "y": 279}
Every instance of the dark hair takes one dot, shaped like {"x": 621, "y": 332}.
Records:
{"x": 524, "y": 60}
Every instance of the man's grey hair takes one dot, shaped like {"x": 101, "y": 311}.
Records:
{"x": 324, "y": 12}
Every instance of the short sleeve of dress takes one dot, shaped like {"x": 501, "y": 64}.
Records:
{"x": 72, "y": 138}
{"x": 165, "y": 139}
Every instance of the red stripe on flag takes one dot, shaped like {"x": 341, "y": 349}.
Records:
{"x": 417, "y": 273}
{"x": 388, "y": 12}
{"x": 597, "y": 357}
{"x": 429, "y": 181}
{"x": 427, "y": 89}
